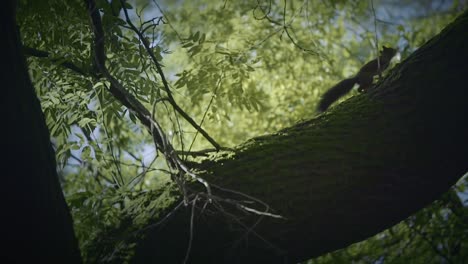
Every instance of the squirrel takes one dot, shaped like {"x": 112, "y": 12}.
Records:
{"x": 363, "y": 78}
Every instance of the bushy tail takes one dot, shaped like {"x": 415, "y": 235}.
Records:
{"x": 334, "y": 93}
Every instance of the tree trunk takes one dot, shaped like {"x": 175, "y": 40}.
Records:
{"x": 339, "y": 178}
{"x": 37, "y": 223}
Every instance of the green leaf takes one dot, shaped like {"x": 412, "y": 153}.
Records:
{"x": 202, "y": 39}
{"x": 83, "y": 122}
{"x": 195, "y": 50}
{"x": 187, "y": 45}
{"x": 86, "y": 153}
{"x": 196, "y": 36}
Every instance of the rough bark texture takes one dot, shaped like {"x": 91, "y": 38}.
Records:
{"x": 343, "y": 176}
{"x": 37, "y": 226}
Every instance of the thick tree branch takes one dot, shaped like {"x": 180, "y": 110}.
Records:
{"x": 348, "y": 174}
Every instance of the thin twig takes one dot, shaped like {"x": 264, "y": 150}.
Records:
{"x": 192, "y": 215}
{"x": 376, "y": 36}
{"x": 167, "y": 20}
{"x": 206, "y": 110}
{"x": 285, "y": 27}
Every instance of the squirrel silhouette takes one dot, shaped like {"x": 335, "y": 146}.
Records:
{"x": 363, "y": 78}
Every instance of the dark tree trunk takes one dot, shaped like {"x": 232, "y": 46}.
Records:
{"x": 37, "y": 225}
{"x": 341, "y": 177}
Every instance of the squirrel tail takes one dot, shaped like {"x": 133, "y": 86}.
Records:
{"x": 334, "y": 93}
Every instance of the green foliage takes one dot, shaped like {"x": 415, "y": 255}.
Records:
{"x": 243, "y": 68}
{"x": 114, "y": 218}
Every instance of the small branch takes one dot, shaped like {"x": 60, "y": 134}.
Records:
{"x": 60, "y": 61}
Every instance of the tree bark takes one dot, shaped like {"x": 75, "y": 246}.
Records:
{"x": 341, "y": 177}
{"x": 37, "y": 224}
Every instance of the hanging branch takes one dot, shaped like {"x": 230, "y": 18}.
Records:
{"x": 143, "y": 114}
{"x": 164, "y": 81}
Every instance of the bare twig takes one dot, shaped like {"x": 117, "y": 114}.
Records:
{"x": 192, "y": 215}
{"x": 251, "y": 210}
